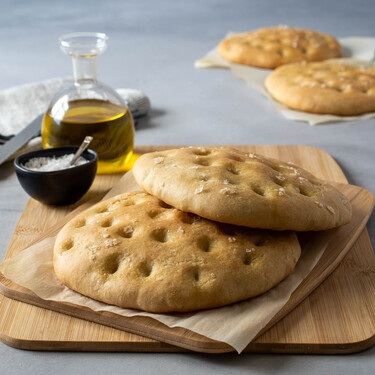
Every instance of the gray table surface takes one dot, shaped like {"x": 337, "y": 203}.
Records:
{"x": 153, "y": 45}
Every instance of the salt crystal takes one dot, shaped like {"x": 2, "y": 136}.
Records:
{"x": 198, "y": 190}
{"x": 49, "y": 164}
{"x": 202, "y": 149}
{"x": 250, "y": 250}
{"x": 295, "y": 171}
{"x": 105, "y": 235}
{"x": 319, "y": 204}
{"x": 330, "y": 209}
{"x": 280, "y": 177}
{"x": 181, "y": 230}
{"x": 281, "y": 191}
{"x": 232, "y": 239}
{"x": 110, "y": 243}
{"x": 228, "y": 190}
{"x": 93, "y": 248}
{"x": 226, "y": 182}
{"x": 345, "y": 201}
{"x": 128, "y": 229}
{"x": 158, "y": 160}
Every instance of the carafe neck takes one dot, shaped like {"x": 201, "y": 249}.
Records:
{"x": 84, "y": 70}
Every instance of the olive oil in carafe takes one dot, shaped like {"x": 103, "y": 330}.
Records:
{"x": 110, "y": 125}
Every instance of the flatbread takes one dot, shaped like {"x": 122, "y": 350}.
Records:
{"x": 271, "y": 47}
{"x": 134, "y": 251}
{"x": 326, "y": 87}
{"x": 233, "y": 187}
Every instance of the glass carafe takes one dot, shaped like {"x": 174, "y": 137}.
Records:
{"x": 88, "y": 107}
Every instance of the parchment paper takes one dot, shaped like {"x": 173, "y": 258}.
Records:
{"x": 356, "y": 50}
{"x": 236, "y": 324}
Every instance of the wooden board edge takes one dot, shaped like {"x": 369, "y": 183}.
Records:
{"x": 89, "y": 346}
{"x": 314, "y": 349}
{"x": 160, "y": 347}
{"x": 194, "y": 342}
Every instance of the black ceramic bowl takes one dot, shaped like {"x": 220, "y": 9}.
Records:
{"x": 60, "y": 187}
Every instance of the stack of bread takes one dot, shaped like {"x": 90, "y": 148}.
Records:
{"x": 304, "y": 78}
{"x": 213, "y": 226}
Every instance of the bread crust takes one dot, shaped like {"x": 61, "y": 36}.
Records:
{"x": 325, "y": 87}
{"x": 134, "y": 251}
{"x": 271, "y": 47}
{"x": 237, "y": 188}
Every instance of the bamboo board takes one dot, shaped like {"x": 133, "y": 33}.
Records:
{"x": 338, "y": 317}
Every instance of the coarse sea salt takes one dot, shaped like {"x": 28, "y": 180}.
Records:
{"x": 49, "y": 164}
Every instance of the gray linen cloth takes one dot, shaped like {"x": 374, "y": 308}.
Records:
{"x": 20, "y": 105}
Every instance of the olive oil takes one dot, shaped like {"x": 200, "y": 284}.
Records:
{"x": 110, "y": 125}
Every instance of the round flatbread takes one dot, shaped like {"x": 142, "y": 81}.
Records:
{"x": 233, "y": 187}
{"x": 134, "y": 251}
{"x": 271, "y": 47}
{"x": 327, "y": 87}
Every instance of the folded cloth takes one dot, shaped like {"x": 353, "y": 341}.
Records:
{"x": 20, "y": 105}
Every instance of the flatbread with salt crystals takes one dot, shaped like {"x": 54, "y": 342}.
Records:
{"x": 134, "y": 251}
{"x": 326, "y": 87}
{"x": 234, "y": 187}
{"x": 270, "y": 47}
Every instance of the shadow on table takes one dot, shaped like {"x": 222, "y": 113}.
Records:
{"x": 6, "y": 169}
{"x": 147, "y": 121}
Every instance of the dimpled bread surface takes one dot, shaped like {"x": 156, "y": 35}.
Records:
{"x": 238, "y": 188}
{"x": 328, "y": 87}
{"x": 271, "y": 47}
{"x": 134, "y": 251}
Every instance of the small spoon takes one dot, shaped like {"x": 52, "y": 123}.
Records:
{"x": 82, "y": 148}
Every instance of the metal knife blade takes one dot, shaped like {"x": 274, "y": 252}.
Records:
{"x": 20, "y": 139}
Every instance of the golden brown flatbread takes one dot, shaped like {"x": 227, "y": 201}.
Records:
{"x": 327, "y": 87}
{"x": 271, "y": 47}
{"x": 234, "y": 187}
{"x": 134, "y": 251}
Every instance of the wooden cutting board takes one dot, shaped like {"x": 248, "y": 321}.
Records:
{"x": 338, "y": 317}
